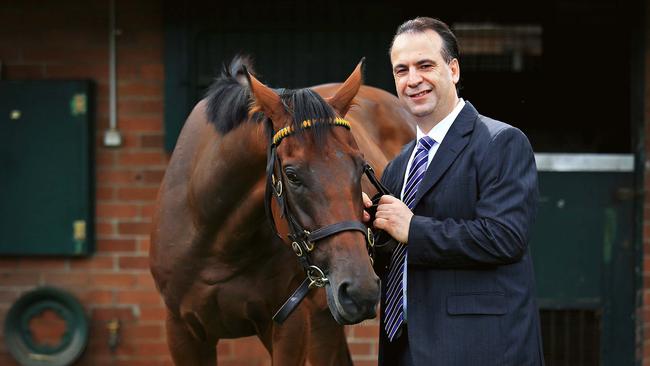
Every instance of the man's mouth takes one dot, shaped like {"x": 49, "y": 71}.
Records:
{"x": 420, "y": 94}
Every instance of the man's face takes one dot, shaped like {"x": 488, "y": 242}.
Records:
{"x": 425, "y": 83}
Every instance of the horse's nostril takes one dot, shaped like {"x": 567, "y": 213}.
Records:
{"x": 345, "y": 298}
{"x": 356, "y": 300}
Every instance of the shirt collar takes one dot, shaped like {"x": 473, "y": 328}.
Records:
{"x": 438, "y": 132}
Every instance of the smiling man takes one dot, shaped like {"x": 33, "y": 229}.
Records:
{"x": 459, "y": 287}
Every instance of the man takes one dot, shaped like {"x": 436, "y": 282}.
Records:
{"x": 468, "y": 189}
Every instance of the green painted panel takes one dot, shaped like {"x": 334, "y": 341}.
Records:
{"x": 45, "y": 159}
{"x": 582, "y": 218}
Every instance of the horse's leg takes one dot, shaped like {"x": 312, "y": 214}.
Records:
{"x": 287, "y": 343}
{"x": 327, "y": 343}
{"x": 185, "y": 348}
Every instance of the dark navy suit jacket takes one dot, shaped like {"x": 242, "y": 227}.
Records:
{"x": 470, "y": 291}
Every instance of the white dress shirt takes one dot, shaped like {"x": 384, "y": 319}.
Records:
{"x": 437, "y": 134}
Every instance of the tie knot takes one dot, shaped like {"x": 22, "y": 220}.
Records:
{"x": 425, "y": 143}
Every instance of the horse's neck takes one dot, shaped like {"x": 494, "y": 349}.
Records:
{"x": 227, "y": 179}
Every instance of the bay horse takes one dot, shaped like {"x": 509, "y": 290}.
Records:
{"x": 218, "y": 264}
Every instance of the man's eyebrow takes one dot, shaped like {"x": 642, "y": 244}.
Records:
{"x": 418, "y": 63}
{"x": 426, "y": 61}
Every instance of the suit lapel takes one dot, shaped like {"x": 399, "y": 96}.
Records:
{"x": 454, "y": 142}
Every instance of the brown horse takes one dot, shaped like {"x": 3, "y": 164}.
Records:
{"x": 220, "y": 268}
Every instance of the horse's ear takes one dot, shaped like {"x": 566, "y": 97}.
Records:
{"x": 342, "y": 100}
{"x": 267, "y": 101}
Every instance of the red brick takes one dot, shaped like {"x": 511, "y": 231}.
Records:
{"x": 95, "y": 297}
{"x": 152, "y": 141}
{"x": 141, "y": 123}
{"x": 124, "y": 314}
{"x": 134, "y": 262}
{"x": 93, "y": 263}
{"x": 8, "y": 296}
{"x": 144, "y": 244}
{"x": 151, "y": 348}
{"x": 116, "y": 245}
{"x": 128, "y": 89}
{"x": 79, "y": 71}
{"x": 363, "y": 331}
{"x": 66, "y": 279}
{"x": 140, "y": 54}
{"x": 111, "y": 177}
{"x": 149, "y": 312}
{"x": 13, "y": 72}
{"x": 153, "y": 176}
{"x": 7, "y": 360}
{"x": 137, "y": 193}
{"x": 142, "y": 158}
{"x": 10, "y": 54}
{"x": 147, "y": 361}
{"x": 69, "y": 55}
{"x": 147, "y": 210}
{"x": 113, "y": 280}
{"x": 128, "y": 72}
{"x": 361, "y": 348}
{"x": 104, "y": 229}
{"x": 154, "y": 71}
{"x": 145, "y": 280}
{"x": 45, "y": 264}
{"x": 131, "y": 107}
{"x": 19, "y": 279}
{"x": 365, "y": 362}
{"x": 134, "y": 228}
{"x": 144, "y": 332}
{"x": 104, "y": 193}
{"x": 150, "y": 297}
{"x": 130, "y": 140}
{"x": 117, "y": 210}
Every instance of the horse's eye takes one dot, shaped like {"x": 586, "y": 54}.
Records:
{"x": 292, "y": 176}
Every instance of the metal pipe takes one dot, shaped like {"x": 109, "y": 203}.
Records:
{"x": 112, "y": 136}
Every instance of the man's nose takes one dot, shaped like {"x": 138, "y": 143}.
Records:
{"x": 414, "y": 78}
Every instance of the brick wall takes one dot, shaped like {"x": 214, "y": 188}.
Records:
{"x": 69, "y": 40}
{"x": 644, "y": 332}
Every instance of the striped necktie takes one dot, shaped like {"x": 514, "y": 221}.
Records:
{"x": 394, "y": 313}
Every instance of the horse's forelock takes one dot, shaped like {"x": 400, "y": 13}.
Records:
{"x": 306, "y": 104}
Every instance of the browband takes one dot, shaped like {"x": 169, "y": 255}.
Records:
{"x": 288, "y": 131}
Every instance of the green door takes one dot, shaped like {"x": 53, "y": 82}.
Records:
{"x": 583, "y": 246}
{"x": 45, "y": 162}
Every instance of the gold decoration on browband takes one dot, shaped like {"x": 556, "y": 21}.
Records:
{"x": 288, "y": 131}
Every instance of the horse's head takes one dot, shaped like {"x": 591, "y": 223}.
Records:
{"x": 316, "y": 169}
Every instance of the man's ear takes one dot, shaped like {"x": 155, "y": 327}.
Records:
{"x": 455, "y": 70}
{"x": 343, "y": 98}
{"x": 268, "y": 101}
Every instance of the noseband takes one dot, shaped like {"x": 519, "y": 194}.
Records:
{"x": 303, "y": 241}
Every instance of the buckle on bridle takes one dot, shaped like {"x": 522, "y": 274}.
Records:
{"x": 296, "y": 249}
{"x": 316, "y": 277}
{"x": 309, "y": 245}
{"x": 370, "y": 238}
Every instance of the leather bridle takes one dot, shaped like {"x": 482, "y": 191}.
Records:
{"x": 303, "y": 241}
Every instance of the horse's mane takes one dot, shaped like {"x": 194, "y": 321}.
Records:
{"x": 229, "y": 101}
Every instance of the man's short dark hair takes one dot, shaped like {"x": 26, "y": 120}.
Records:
{"x": 422, "y": 24}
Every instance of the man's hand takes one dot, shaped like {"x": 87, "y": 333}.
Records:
{"x": 366, "y": 203}
{"x": 394, "y": 217}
